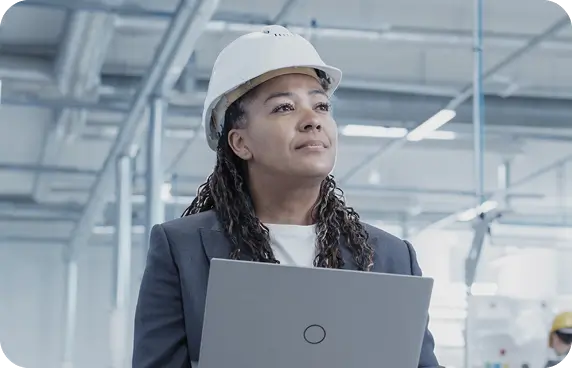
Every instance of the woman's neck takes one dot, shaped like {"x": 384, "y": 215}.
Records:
{"x": 281, "y": 202}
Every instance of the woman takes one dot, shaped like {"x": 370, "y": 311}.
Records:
{"x": 270, "y": 198}
{"x": 560, "y": 338}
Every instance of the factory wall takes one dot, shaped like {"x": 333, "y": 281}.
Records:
{"x": 32, "y": 308}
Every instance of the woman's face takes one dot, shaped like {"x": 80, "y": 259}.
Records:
{"x": 559, "y": 346}
{"x": 289, "y": 129}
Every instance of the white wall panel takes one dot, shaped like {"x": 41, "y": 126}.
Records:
{"x": 32, "y": 305}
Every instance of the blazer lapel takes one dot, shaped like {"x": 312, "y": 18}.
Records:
{"x": 214, "y": 241}
{"x": 215, "y": 244}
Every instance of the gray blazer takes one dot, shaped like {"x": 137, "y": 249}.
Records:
{"x": 169, "y": 313}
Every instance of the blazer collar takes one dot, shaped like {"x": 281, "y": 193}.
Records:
{"x": 217, "y": 245}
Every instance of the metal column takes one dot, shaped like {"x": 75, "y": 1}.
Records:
{"x": 174, "y": 189}
{"x": 154, "y": 177}
{"x": 478, "y": 142}
{"x": 504, "y": 175}
{"x": 70, "y": 311}
{"x": 561, "y": 192}
{"x": 122, "y": 265}
{"x": 478, "y": 102}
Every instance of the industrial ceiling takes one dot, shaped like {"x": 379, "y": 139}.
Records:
{"x": 81, "y": 80}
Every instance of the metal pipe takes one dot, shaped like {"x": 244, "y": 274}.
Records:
{"x": 499, "y": 193}
{"x": 478, "y": 105}
{"x": 42, "y": 219}
{"x": 188, "y": 19}
{"x": 533, "y": 175}
{"x": 46, "y": 169}
{"x": 284, "y": 11}
{"x": 70, "y": 312}
{"x": 245, "y": 23}
{"x": 515, "y": 111}
{"x": 99, "y": 7}
{"x": 503, "y": 179}
{"x": 561, "y": 192}
{"x": 122, "y": 264}
{"x": 478, "y": 142}
{"x": 174, "y": 189}
{"x": 63, "y": 103}
{"x": 183, "y": 151}
{"x": 78, "y": 70}
{"x": 190, "y": 179}
{"x": 27, "y": 69}
{"x": 194, "y": 181}
{"x": 155, "y": 208}
{"x": 465, "y": 93}
{"x": 189, "y": 77}
{"x": 511, "y": 58}
{"x": 157, "y": 20}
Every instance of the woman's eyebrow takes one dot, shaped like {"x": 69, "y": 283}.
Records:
{"x": 290, "y": 94}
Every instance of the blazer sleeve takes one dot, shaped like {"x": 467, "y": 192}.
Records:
{"x": 427, "y": 358}
{"x": 159, "y": 332}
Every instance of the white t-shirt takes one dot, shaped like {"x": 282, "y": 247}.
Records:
{"x": 292, "y": 245}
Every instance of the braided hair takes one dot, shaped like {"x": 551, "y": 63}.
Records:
{"x": 226, "y": 192}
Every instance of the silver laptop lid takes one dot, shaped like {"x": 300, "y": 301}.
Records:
{"x": 261, "y": 315}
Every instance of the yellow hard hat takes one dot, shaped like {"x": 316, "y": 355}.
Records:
{"x": 562, "y": 321}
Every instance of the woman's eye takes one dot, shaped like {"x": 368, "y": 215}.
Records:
{"x": 324, "y": 106}
{"x": 283, "y": 108}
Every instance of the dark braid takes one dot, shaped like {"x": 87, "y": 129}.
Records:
{"x": 226, "y": 192}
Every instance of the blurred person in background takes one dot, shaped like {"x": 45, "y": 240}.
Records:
{"x": 560, "y": 337}
{"x": 270, "y": 198}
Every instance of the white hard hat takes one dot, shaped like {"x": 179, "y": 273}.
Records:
{"x": 253, "y": 59}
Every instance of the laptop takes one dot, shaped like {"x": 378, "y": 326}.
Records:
{"x": 261, "y": 315}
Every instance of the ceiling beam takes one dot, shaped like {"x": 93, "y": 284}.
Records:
{"x": 353, "y": 106}
{"x": 179, "y": 40}
{"x": 78, "y": 69}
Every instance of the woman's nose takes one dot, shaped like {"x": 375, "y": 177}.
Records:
{"x": 311, "y": 125}
{"x": 310, "y": 122}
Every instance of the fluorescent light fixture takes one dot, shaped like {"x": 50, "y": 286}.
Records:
{"x": 472, "y": 213}
{"x": 372, "y": 131}
{"x": 431, "y": 125}
{"x": 441, "y": 135}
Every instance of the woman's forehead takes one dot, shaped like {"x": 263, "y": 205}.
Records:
{"x": 289, "y": 82}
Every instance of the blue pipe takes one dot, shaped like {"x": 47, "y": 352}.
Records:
{"x": 99, "y": 7}
{"x": 478, "y": 139}
{"x": 478, "y": 104}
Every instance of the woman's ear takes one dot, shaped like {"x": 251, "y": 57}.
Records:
{"x": 237, "y": 143}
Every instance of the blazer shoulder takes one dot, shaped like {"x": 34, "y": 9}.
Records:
{"x": 394, "y": 250}
{"x": 388, "y": 240}
{"x": 185, "y": 231}
{"x": 203, "y": 220}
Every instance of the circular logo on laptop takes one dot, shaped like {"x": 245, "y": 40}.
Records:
{"x": 314, "y": 334}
